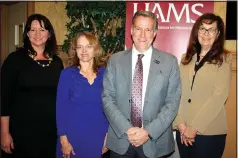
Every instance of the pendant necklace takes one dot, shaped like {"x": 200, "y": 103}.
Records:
{"x": 43, "y": 65}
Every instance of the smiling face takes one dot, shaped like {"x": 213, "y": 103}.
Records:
{"x": 85, "y": 50}
{"x": 207, "y": 34}
{"x": 38, "y": 35}
{"x": 143, "y": 33}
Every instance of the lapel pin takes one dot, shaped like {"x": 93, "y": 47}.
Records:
{"x": 156, "y": 61}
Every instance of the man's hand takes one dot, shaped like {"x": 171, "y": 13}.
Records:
{"x": 137, "y": 136}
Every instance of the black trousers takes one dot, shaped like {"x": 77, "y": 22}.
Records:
{"x": 133, "y": 152}
{"x": 205, "y": 146}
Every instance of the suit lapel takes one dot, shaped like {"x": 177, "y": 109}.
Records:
{"x": 127, "y": 66}
{"x": 154, "y": 70}
{"x": 191, "y": 70}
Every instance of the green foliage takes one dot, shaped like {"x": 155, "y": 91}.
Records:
{"x": 106, "y": 19}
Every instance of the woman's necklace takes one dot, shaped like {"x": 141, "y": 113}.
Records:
{"x": 43, "y": 65}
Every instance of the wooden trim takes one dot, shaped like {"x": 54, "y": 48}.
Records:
{"x": 64, "y": 56}
{"x": 4, "y": 43}
{"x": 59, "y": 48}
{"x": 30, "y": 8}
{"x": 234, "y": 61}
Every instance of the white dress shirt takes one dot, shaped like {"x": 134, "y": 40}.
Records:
{"x": 146, "y": 67}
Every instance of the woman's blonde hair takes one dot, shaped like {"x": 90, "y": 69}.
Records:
{"x": 99, "y": 60}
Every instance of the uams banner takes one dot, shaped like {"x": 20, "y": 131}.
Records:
{"x": 175, "y": 20}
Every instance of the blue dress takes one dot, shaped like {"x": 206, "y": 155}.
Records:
{"x": 79, "y": 113}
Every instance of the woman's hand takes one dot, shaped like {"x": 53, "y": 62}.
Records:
{"x": 6, "y": 142}
{"x": 104, "y": 148}
{"x": 66, "y": 147}
{"x": 189, "y": 136}
{"x": 182, "y": 127}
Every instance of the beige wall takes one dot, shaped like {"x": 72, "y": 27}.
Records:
{"x": 56, "y": 13}
{"x": 4, "y": 35}
{"x": 11, "y": 15}
{"x": 18, "y": 10}
{"x": 56, "y": 10}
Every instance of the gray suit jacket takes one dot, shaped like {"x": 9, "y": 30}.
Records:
{"x": 160, "y": 106}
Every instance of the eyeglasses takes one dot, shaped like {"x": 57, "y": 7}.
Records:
{"x": 210, "y": 31}
{"x": 87, "y": 47}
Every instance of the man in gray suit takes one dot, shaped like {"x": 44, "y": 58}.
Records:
{"x": 141, "y": 94}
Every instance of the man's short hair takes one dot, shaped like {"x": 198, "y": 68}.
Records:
{"x": 146, "y": 14}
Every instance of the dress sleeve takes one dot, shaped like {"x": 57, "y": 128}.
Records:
{"x": 9, "y": 74}
{"x": 62, "y": 101}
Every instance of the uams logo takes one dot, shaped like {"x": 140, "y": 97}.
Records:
{"x": 172, "y": 11}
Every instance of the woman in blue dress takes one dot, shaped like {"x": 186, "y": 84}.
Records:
{"x": 81, "y": 122}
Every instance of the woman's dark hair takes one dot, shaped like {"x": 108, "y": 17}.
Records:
{"x": 217, "y": 51}
{"x": 50, "y": 47}
{"x": 99, "y": 59}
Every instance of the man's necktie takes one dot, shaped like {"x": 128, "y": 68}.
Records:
{"x": 136, "y": 94}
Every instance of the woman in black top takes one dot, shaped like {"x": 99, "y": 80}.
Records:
{"x": 29, "y": 78}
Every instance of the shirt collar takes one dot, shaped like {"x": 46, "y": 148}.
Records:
{"x": 135, "y": 52}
